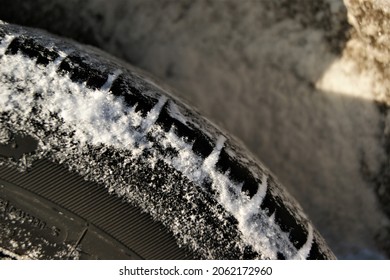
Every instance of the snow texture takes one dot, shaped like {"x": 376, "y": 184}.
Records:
{"x": 76, "y": 124}
{"x": 297, "y": 81}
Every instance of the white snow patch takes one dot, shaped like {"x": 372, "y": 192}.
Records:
{"x": 110, "y": 79}
{"x": 5, "y": 43}
{"x": 153, "y": 115}
{"x": 303, "y": 253}
{"x": 175, "y": 112}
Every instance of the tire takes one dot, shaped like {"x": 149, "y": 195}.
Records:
{"x": 98, "y": 162}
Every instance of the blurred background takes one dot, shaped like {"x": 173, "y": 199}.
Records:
{"x": 303, "y": 84}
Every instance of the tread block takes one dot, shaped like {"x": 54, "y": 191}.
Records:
{"x": 96, "y": 79}
{"x": 250, "y": 186}
{"x": 284, "y": 218}
{"x": 80, "y": 72}
{"x": 184, "y": 131}
{"x": 315, "y": 253}
{"x": 269, "y": 203}
{"x": 287, "y": 222}
{"x": 75, "y": 67}
{"x": 133, "y": 96}
{"x": 14, "y": 46}
{"x": 30, "y": 48}
{"x": 143, "y": 103}
{"x": 202, "y": 145}
{"x": 164, "y": 120}
{"x": 237, "y": 172}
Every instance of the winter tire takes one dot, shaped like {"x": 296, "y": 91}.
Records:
{"x": 99, "y": 162}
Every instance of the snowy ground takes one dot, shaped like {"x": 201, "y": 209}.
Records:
{"x": 301, "y": 83}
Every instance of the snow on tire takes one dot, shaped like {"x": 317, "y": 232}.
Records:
{"x": 114, "y": 126}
